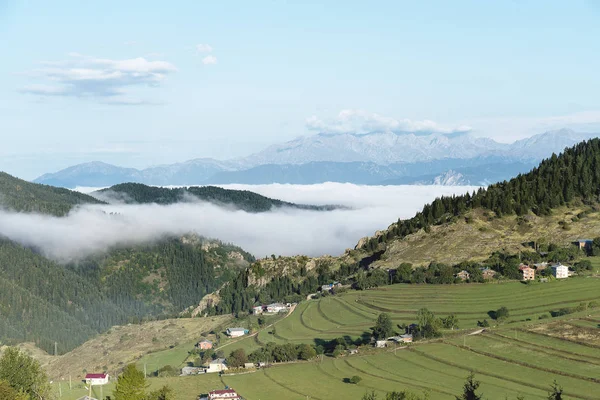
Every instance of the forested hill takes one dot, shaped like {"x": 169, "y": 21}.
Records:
{"x": 19, "y": 195}
{"x": 559, "y": 201}
{"x": 137, "y": 193}
{"x": 44, "y": 302}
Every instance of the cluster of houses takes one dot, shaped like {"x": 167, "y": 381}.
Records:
{"x": 273, "y": 308}
{"x": 404, "y": 339}
{"x": 222, "y": 394}
{"x": 216, "y": 366}
{"x": 486, "y": 273}
{"x": 330, "y": 286}
{"x": 559, "y": 271}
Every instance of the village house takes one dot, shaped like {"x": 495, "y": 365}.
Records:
{"x": 353, "y": 351}
{"x": 225, "y": 394}
{"x": 204, "y": 344}
{"x": 249, "y": 365}
{"x": 330, "y": 286}
{"x": 527, "y": 272}
{"x": 96, "y": 379}
{"x": 406, "y": 338}
{"x": 185, "y": 371}
{"x": 276, "y": 308}
{"x": 86, "y": 397}
{"x": 217, "y": 365}
{"x": 380, "y": 344}
{"x": 257, "y": 310}
{"x": 540, "y": 266}
{"x": 560, "y": 271}
{"x": 487, "y": 273}
{"x": 584, "y": 244}
{"x": 463, "y": 275}
{"x": 237, "y": 332}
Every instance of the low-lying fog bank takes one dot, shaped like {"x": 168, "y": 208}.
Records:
{"x": 281, "y": 231}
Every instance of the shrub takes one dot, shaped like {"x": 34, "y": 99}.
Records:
{"x": 355, "y": 379}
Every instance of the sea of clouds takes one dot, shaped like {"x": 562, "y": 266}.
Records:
{"x": 282, "y": 231}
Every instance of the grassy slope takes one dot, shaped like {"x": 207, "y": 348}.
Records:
{"x": 125, "y": 344}
{"x": 462, "y": 241}
{"x": 19, "y": 195}
{"x": 519, "y": 357}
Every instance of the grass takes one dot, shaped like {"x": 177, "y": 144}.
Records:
{"x": 461, "y": 241}
{"x": 156, "y": 343}
{"x": 521, "y": 357}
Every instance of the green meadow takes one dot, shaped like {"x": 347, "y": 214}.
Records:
{"x": 520, "y": 357}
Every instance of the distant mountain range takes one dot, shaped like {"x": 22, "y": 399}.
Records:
{"x": 374, "y": 158}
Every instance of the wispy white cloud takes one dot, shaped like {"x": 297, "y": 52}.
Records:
{"x": 359, "y": 121}
{"x": 98, "y": 78}
{"x": 204, "y": 48}
{"x": 209, "y": 60}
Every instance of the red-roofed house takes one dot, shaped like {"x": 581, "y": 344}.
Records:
{"x": 96, "y": 379}
{"x": 225, "y": 394}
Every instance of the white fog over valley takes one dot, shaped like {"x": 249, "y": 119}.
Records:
{"x": 281, "y": 231}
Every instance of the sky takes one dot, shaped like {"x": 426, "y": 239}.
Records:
{"x": 142, "y": 83}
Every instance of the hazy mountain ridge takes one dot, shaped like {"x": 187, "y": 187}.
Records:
{"x": 375, "y": 158}
{"x": 138, "y": 193}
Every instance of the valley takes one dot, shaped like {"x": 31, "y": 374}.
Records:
{"x": 521, "y": 355}
{"x": 148, "y": 304}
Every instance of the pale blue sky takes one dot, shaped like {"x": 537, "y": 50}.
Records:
{"x": 507, "y": 69}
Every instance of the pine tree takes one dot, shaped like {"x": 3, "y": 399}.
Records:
{"x": 131, "y": 384}
{"x": 556, "y": 392}
{"x": 469, "y": 389}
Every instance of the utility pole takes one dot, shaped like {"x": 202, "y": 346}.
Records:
{"x": 70, "y": 388}
{"x": 55, "y": 349}
{"x": 101, "y": 395}
{"x": 59, "y": 390}
{"x": 145, "y": 374}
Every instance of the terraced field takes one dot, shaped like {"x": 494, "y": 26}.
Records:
{"x": 521, "y": 357}
{"x": 353, "y": 313}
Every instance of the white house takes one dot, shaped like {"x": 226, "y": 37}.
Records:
{"x": 560, "y": 271}
{"x": 225, "y": 394}
{"x": 217, "y": 365}
{"x": 96, "y": 379}
{"x": 257, "y": 309}
{"x": 237, "y": 332}
{"x": 381, "y": 344}
{"x": 276, "y": 308}
{"x": 191, "y": 371}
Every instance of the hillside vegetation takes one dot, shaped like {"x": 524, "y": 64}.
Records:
{"x": 573, "y": 178}
{"x": 137, "y": 193}
{"x": 19, "y": 195}
{"x": 44, "y": 302}
{"x": 552, "y": 205}
{"x": 122, "y": 345}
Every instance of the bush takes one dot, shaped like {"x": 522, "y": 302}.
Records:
{"x": 501, "y": 314}
{"x": 355, "y": 379}
{"x": 167, "y": 371}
